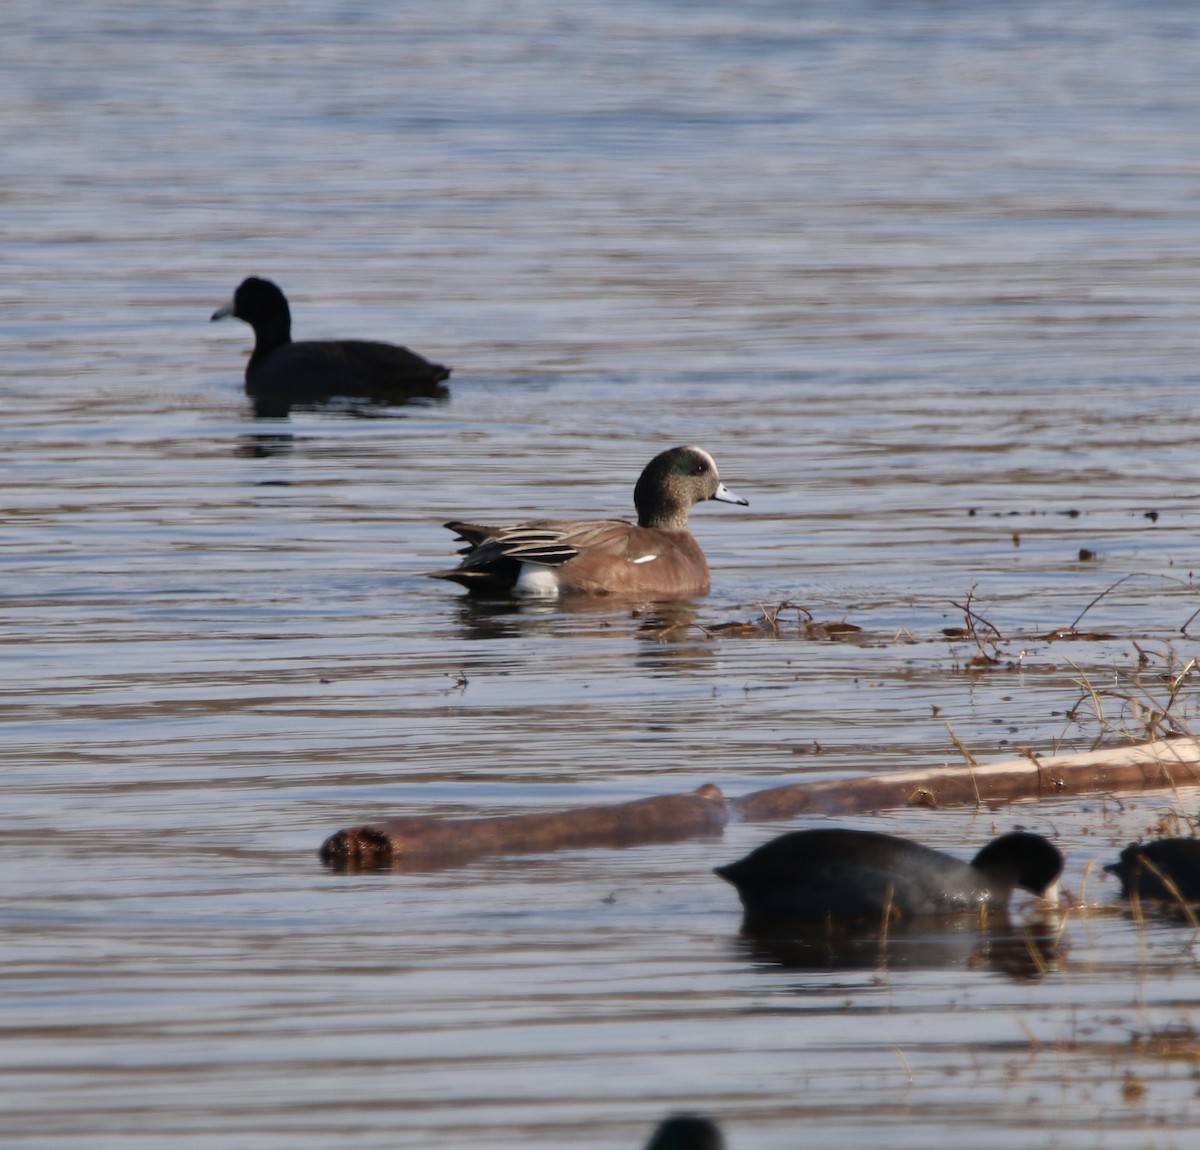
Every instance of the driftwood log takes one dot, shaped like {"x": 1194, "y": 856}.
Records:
{"x": 417, "y": 843}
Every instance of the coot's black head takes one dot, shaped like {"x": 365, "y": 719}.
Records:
{"x": 1021, "y": 859}
{"x": 263, "y": 306}
{"x": 687, "y": 1132}
{"x": 1162, "y": 869}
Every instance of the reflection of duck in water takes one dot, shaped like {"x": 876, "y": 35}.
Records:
{"x": 1167, "y": 869}
{"x": 282, "y": 372}
{"x": 268, "y": 446}
{"x": 686, "y": 1132}
{"x": 850, "y": 876}
{"x": 658, "y": 626}
{"x": 655, "y": 559}
{"x": 1024, "y": 951}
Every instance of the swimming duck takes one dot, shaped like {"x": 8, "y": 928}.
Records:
{"x": 656, "y": 558}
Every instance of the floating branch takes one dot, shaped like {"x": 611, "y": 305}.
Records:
{"x": 417, "y": 843}
{"x": 1166, "y": 763}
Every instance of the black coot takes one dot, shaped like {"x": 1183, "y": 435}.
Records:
{"x": 686, "y": 1132}
{"x": 859, "y": 876}
{"x": 1164, "y": 869}
{"x": 281, "y": 373}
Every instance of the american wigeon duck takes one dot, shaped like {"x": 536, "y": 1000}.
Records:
{"x": 686, "y": 1132}
{"x": 310, "y": 371}
{"x": 861, "y": 876}
{"x": 1166, "y": 869}
{"x": 655, "y": 559}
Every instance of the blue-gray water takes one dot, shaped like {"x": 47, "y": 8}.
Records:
{"x": 924, "y": 277}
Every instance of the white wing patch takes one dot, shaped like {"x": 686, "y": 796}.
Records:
{"x": 537, "y": 581}
{"x": 644, "y": 559}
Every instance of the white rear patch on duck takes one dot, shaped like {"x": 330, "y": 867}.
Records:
{"x": 537, "y": 581}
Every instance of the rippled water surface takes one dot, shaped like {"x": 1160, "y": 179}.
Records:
{"x": 923, "y": 278}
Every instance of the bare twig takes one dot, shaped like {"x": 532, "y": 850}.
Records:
{"x": 1139, "y": 575}
{"x": 970, "y": 759}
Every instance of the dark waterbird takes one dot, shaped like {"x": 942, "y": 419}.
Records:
{"x": 282, "y": 372}
{"x": 686, "y": 1132}
{"x": 1166, "y": 869}
{"x": 863, "y": 876}
{"x": 655, "y": 559}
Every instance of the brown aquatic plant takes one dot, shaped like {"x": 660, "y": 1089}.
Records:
{"x": 1133, "y": 1089}
{"x": 971, "y": 761}
{"x": 770, "y": 623}
{"x": 982, "y": 632}
{"x": 1142, "y": 713}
